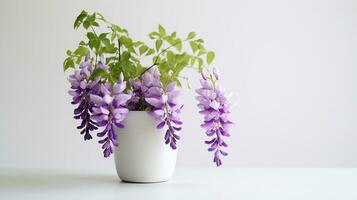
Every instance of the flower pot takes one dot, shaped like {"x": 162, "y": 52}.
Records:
{"x": 142, "y": 155}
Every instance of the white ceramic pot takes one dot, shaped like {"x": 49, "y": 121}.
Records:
{"x": 142, "y": 155}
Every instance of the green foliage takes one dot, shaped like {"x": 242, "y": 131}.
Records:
{"x": 81, "y": 51}
{"x": 162, "y": 31}
{"x": 99, "y": 72}
{"x": 124, "y": 54}
{"x": 191, "y": 35}
{"x": 80, "y": 18}
{"x": 210, "y": 57}
{"x": 158, "y": 44}
{"x": 68, "y": 63}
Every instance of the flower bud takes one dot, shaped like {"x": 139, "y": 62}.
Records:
{"x": 215, "y": 73}
{"x": 121, "y": 77}
{"x": 87, "y": 56}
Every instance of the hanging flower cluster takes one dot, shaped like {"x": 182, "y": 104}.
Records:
{"x": 109, "y": 111}
{"x": 105, "y": 89}
{"x": 165, "y": 108}
{"x": 149, "y": 92}
{"x": 214, "y": 105}
{"x": 81, "y": 88}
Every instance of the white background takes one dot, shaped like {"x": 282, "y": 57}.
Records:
{"x": 291, "y": 65}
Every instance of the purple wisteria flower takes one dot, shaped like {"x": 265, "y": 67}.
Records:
{"x": 140, "y": 89}
{"x": 109, "y": 111}
{"x": 164, "y": 103}
{"x": 81, "y": 88}
{"x": 214, "y": 105}
{"x": 136, "y": 100}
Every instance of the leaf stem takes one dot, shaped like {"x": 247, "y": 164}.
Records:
{"x": 94, "y": 31}
{"x": 119, "y": 53}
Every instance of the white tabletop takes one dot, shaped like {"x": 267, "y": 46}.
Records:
{"x": 187, "y": 183}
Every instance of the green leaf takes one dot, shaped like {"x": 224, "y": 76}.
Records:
{"x": 201, "y": 51}
{"x": 127, "y": 42}
{"x": 199, "y": 41}
{"x": 154, "y": 35}
{"x": 193, "y": 60}
{"x": 103, "y": 35}
{"x": 170, "y": 57}
{"x": 112, "y": 37}
{"x": 81, "y": 51}
{"x": 150, "y": 52}
{"x": 170, "y": 40}
{"x": 69, "y": 52}
{"x": 191, "y": 35}
{"x": 158, "y": 59}
{"x": 86, "y": 24}
{"x": 200, "y": 64}
{"x": 162, "y": 31}
{"x": 126, "y": 56}
{"x": 210, "y": 57}
{"x": 79, "y": 59}
{"x": 68, "y": 63}
{"x": 91, "y": 36}
{"x": 95, "y": 24}
{"x": 99, "y": 72}
{"x": 91, "y": 18}
{"x": 178, "y": 44}
{"x": 117, "y": 28}
{"x": 138, "y": 43}
{"x": 178, "y": 83}
{"x": 194, "y": 46}
{"x": 79, "y": 19}
{"x": 94, "y": 44}
{"x": 110, "y": 49}
{"x": 158, "y": 44}
{"x": 143, "y": 49}
{"x": 106, "y": 42}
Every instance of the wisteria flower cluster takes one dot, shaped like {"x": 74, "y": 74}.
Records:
{"x": 214, "y": 105}
{"x": 111, "y": 80}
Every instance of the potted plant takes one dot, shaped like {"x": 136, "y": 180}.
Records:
{"x": 133, "y": 109}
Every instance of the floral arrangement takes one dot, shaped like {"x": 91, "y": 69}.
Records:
{"x": 110, "y": 80}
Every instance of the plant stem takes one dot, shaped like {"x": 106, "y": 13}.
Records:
{"x": 94, "y": 31}
{"x": 119, "y": 53}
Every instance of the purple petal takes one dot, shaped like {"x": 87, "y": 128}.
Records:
{"x": 176, "y": 122}
{"x": 171, "y": 86}
{"x": 96, "y": 99}
{"x": 107, "y": 99}
{"x": 173, "y": 145}
{"x": 121, "y": 99}
{"x": 74, "y": 93}
{"x": 172, "y": 96}
{"x": 119, "y": 125}
{"x": 104, "y": 110}
{"x": 210, "y": 141}
{"x": 176, "y": 136}
{"x": 161, "y": 125}
{"x": 119, "y": 88}
{"x": 207, "y": 126}
{"x": 154, "y": 91}
{"x": 101, "y": 134}
{"x": 210, "y": 132}
{"x": 167, "y": 135}
{"x": 154, "y": 102}
{"x": 223, "y": 153}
